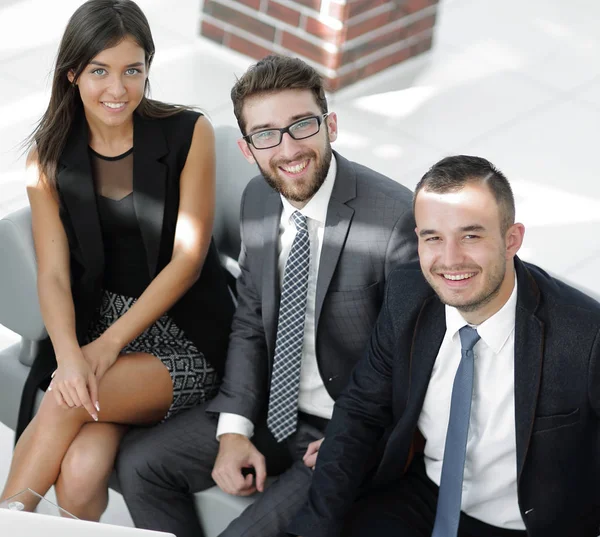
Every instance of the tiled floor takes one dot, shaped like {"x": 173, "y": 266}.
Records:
{"x": 516, "y": 82}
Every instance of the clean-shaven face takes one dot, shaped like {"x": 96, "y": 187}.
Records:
{"x": 112, "y": 85}
{"x": 462, "y": 250}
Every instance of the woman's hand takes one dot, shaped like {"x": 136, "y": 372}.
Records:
{"x": 100, "y": 354}
{"x": 74, "y": 385}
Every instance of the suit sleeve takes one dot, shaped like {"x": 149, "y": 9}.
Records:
{"x": 402, "y": 246}
{"x": 244, "y": 383}
{"x": 594, "y": 382}
{"x": 361, "y": 415}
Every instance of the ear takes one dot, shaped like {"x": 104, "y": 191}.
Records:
{"x": 246, "y": 151}
{"x": 332, "y": 129}
{"x": 514, "y": 239}
{"x": 71, "y": 75}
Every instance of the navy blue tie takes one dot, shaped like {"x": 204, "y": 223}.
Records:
{"x": 447, "y": 515}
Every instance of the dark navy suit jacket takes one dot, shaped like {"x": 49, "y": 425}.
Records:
{"x": 557, "y": 405}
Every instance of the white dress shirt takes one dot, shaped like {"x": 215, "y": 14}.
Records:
{"x": 313, "y": 397}
{"x": 490, "y": 475}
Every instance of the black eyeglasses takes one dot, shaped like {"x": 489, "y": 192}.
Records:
{"x": 301, "y": 129}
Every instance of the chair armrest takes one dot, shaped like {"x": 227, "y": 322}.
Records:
{"x": 19, "y": 307}
{"x": 233, "y": 174}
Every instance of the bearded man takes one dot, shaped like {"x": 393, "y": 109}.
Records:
{"x": 320, "y": 236}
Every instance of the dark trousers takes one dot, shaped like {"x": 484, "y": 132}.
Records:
{"x": 160, "y": 467}
{"x": 406, "y": 508}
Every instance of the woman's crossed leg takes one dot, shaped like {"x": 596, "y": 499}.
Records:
{"x": 65, "y": 446}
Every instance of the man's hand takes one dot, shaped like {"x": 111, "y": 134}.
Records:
{"x": 310, "y": 457}
{"x": 237, "y": 452}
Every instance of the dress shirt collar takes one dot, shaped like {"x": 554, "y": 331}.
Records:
{"x": 494, "y": 331}
{"x": 316, "y": 208}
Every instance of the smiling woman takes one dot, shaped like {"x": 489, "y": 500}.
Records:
{"x": 111, "y": 87}
{"x": 129, "y": 280}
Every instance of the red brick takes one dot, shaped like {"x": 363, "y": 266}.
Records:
{"x": 334, "y": 84}
{"x": 387, "y": 61}
{"x": 373, "y": 23}
{"x": 254, "y": 4}
{"x": 239, "y": 19}
{"x": 358, "y": 7}
{"x": 371, "y": 68}
{"x": 212, "y": 32}
{"x": 422, "y": 46}
{"x": 412, "y": 6}
{"x": 426, "y": 23}
{"x": 310, "y": 50}
{"x": 323, "y": 31}
{"x": 313, "y": 4}
{"x": 338, "y": 11}
{"x": 246, "y": 47}
{"x": 373, "y": 45}
{"x": 283, "y": 13}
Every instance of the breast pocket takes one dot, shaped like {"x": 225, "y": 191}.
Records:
{"x": 351, "y": 313}
{"x": 556, "y": 421}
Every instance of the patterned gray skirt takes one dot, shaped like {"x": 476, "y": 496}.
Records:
{"x": 194, "y": 379}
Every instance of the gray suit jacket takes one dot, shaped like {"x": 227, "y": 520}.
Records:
{"x": 368, "y": 231}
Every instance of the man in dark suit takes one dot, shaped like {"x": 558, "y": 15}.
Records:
{"x": 320, "y": 235}
{"x": 494, "y": 361}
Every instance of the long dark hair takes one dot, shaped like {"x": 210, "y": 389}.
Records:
{"x": 95, "y": 26}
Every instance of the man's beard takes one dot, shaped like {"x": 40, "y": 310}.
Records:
{"x": 306, "y": 189}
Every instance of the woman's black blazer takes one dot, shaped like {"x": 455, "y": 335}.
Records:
{"x": 160, "y": 148}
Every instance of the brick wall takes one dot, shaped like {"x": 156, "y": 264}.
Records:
{"x": 346, "y": 40}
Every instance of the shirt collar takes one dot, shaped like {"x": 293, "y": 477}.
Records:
{"x": 494, "y": 331}
{"x": 316, "y": 208}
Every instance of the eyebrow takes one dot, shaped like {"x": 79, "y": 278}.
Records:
{"x": 293, "y": 119}
{"x": 100, "y": 64}
{"x": 465, "y": 229}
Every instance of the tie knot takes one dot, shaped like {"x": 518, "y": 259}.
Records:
{"x": 468, "y": 337}
{"x": 299, "y": 221}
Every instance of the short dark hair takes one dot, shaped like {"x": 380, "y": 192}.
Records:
{"x": 275, "y": 73}
{"x": 453, "y": 173}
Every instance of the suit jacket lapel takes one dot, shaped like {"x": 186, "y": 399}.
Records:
{"x": 529, "y": 348}
{"x": 428, "y": 335}
{"x": 337, "y": 224}
{"x": 149, "y": 185}
{"x": 78, "y": 193}
{"x": 270, "y": 284}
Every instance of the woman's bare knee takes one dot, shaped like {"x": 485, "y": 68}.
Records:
{"x": 87, "y": 465}
{"x": 80, "y": 478}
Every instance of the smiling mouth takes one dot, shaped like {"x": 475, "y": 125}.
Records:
{"x": 458, "y": 277}
{"x": 297, "y": 168}
{"x": 114, "y": 106}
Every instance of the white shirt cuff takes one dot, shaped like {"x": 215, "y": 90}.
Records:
{"x": 234, "y": 423}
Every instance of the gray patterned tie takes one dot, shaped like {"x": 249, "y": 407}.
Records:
{"x": 447, "y": 515}
{"x": 282, "y": 415}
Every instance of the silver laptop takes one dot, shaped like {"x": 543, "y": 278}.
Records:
{"x": 22, "y": 524}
